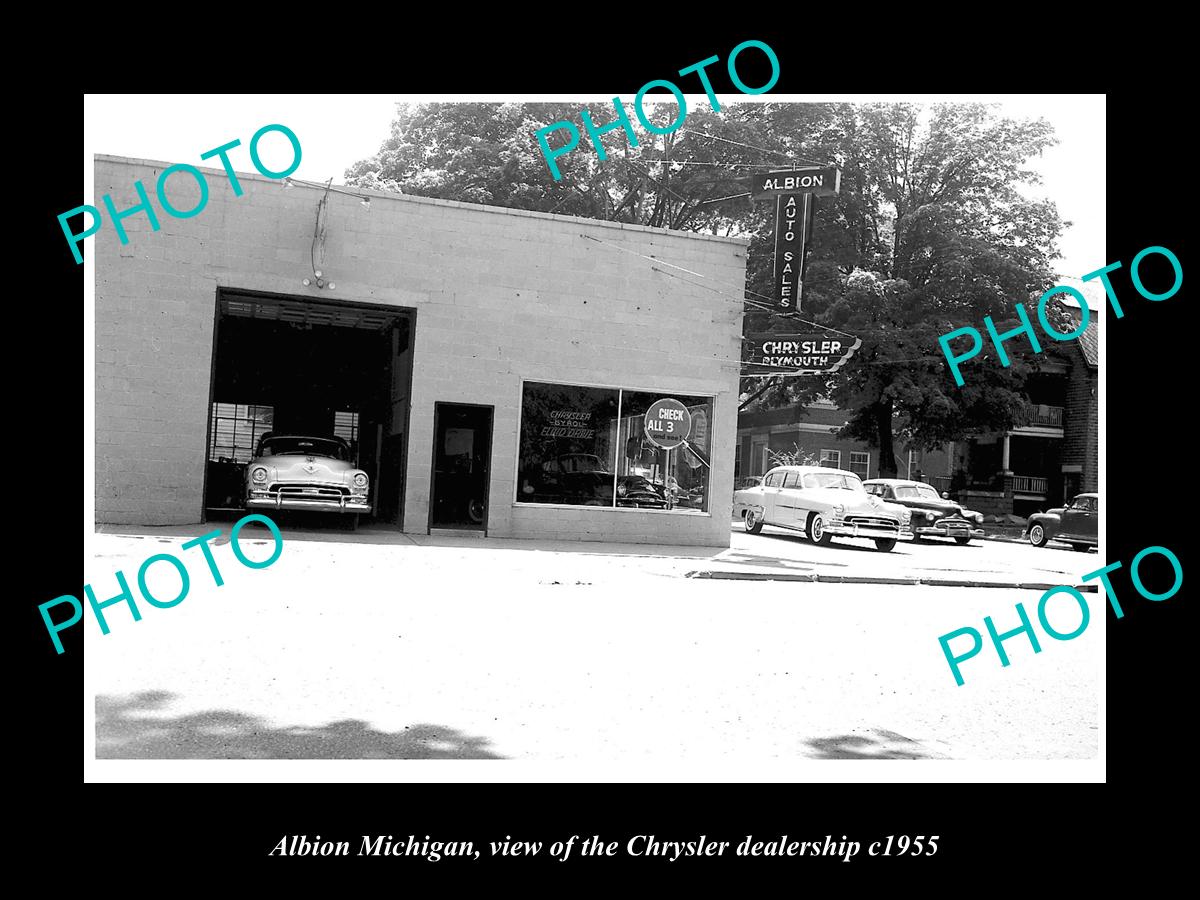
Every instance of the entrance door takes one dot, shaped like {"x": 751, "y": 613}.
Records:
{"x": 462, "y": 452}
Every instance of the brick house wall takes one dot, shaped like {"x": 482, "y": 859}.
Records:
{"x": 1081, "y": 428}
{"x": 784, "y": 429}
{"x": 501, "y": 295}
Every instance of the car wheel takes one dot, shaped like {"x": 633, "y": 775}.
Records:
{"x": 1037, "y": 536}
{"x": 753, "y": 521}
{"x": 885, "y": 545}
{"x": 816, "y": 530}
{"x": 1081, "y": 548}
{"x": 962, "y": 540}
{"x": 475, "y": 511}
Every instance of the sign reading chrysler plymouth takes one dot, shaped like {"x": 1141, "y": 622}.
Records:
{"x": 823, "y": 182}
{"x": 668, "y": 423}
{"x": 800, "y": 354}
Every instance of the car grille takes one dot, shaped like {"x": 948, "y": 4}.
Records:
{"x": 308, "y": 491}
{"x": 962, "y": 524}
{"x": 873, "y": 522}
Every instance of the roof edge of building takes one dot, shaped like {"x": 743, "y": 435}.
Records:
{"x": 433, "y": 201}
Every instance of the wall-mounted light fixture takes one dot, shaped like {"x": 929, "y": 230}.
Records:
{"x": 318, "y": 277}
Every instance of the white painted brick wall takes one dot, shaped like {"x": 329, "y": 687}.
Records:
{"x": 500, "y": 295}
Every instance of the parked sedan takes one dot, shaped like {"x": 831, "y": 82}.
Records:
{"x": 298, "y": 472}
{"x": 1074, "y": 524}
{"x": 822, "y": 503}
{"x": 932, "y": 515}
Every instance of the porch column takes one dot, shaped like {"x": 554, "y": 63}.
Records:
{"x": 1004, "y": 466}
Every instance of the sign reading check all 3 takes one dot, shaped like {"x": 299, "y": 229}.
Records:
{"x": 668, "y": 423}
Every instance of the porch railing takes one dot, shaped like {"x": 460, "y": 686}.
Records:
{"x": 1029, "y": 484}
{"x": 1045, "y": 416}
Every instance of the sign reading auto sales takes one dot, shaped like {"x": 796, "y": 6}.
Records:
{"x": 793, "y": 229}
{"x": 795, "y": 191}
{"x": 800, "y": 354}
{"x": 668, "y": 423}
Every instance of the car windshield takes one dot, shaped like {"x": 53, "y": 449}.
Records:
{"x": 833, "y": 480}
{"x": 302, "y": 446}
{"x": 916, "y": 492}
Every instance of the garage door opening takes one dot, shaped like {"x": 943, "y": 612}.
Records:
{"x": 296, "y": 366}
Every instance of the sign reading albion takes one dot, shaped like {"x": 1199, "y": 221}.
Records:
{"x": 800, "y": 354}
{"x": 822, "y": 182}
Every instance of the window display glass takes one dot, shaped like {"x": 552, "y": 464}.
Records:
{"x": 568, "y": 443}
{"x": 590, "y": 446}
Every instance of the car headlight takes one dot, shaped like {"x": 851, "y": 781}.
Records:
{"x": 839, "y": 510}
{"x": 360, "y": 480}
{"x": 259, "y": 475}
{"x": 622, "y": 490}
{"x": 905, "y": 517}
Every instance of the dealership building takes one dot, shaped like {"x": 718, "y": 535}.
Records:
{"x": 491, "y": 370}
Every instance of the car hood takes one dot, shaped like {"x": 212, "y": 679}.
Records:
{"x": 856, "y": 503}
{"x": 305, "y": 468}
{"x": 946, "y": 507}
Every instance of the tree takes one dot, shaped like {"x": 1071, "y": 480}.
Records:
{"x": 930, "y": 233}
{"x": 486, "y": 153}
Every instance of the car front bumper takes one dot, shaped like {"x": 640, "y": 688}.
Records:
{"x": 346, "y": 505}
{"x": 963, "y": 530}
{"x": 853, "y": 529}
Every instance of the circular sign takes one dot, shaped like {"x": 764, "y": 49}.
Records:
{"x": 668, "y": 423}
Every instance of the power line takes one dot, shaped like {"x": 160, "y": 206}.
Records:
{"x": 787, "y": 156}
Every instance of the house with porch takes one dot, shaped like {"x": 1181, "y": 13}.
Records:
{"x": 1054, "y": 453}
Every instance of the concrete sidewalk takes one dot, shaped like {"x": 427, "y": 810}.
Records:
{"x": 772, "y": 556}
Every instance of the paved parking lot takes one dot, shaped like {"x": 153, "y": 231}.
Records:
{"x": 781, "y": 550}
{"x": 380, "y": 646}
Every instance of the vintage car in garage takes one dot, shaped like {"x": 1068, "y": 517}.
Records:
{"x": 933, "y": 515}
{"x": 1074, "y": 524}
{"x": 298, "y": 472}
{"x": 822, "y": 503}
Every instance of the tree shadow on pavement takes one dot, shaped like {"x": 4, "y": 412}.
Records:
{"x": 132, "y": 728}
{"x": 884, "y": 745}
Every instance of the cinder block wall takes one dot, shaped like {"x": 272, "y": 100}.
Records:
{"x": 500, "y": 295}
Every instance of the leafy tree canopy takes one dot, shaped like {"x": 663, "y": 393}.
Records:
{"x": 931, "y": 231}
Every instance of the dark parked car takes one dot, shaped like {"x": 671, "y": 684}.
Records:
{"x": 1074, "y": 524}
{"x": 932, "y": 515}
{"x": 582, "y": 479}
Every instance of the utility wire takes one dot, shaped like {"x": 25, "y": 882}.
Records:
{"x": 786, "y": 156}
{"x": 328, "y": 187}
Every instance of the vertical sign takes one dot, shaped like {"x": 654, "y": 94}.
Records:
{"x": 793, "y": 224}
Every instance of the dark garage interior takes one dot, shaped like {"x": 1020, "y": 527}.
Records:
{"x": 294, "y": 365}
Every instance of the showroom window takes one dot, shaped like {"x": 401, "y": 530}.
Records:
{"x": 860, "y": 464}
{"x": 587, "y": 446}
{"x": 236, "y": 428}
